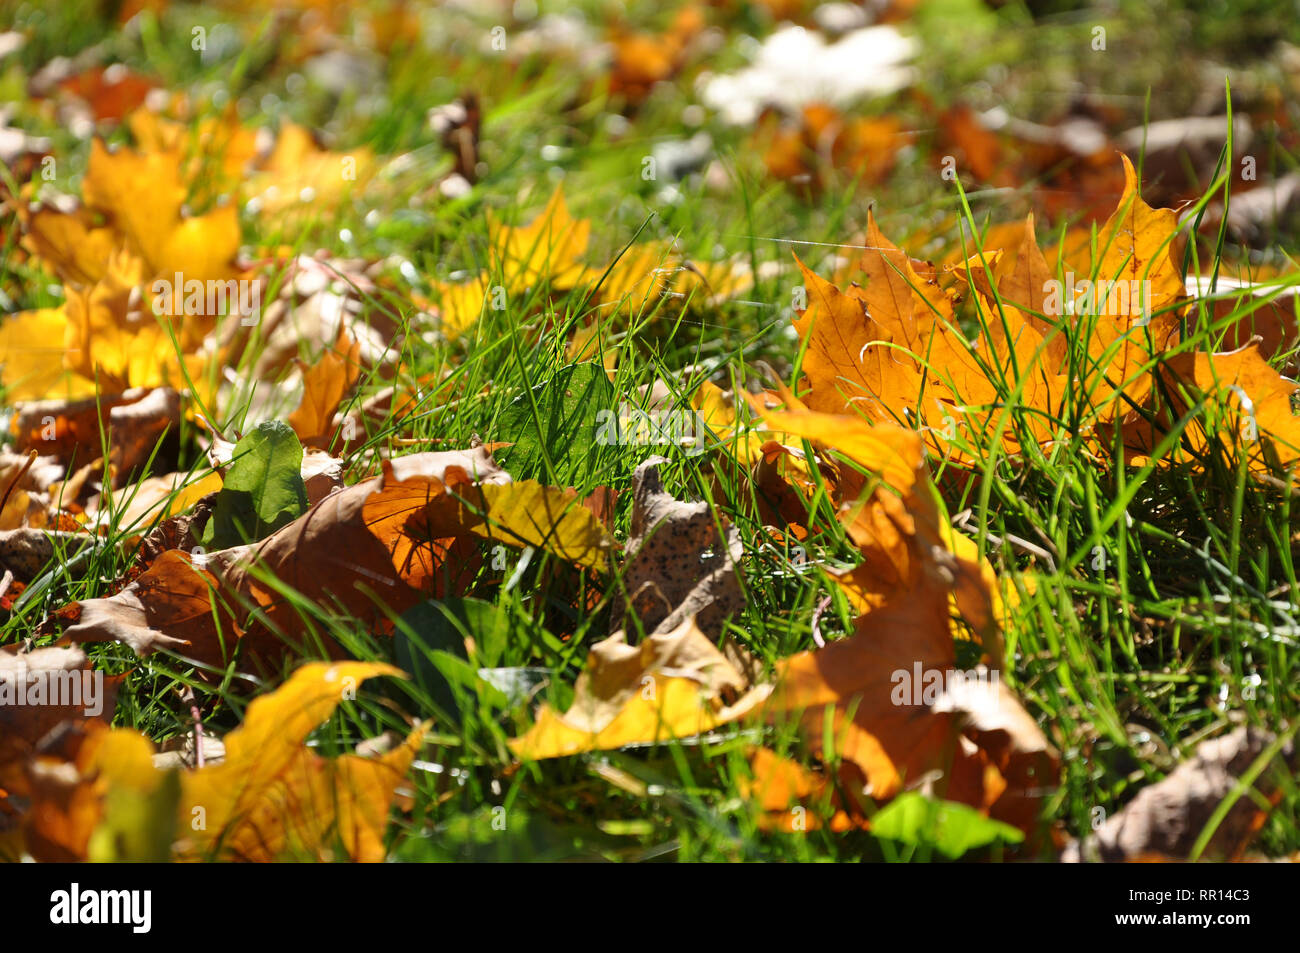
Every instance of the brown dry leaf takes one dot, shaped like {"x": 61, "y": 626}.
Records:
{"x": 680, "y": 564}
{"x": 134, "y": 420}
{"x": 839, "y": 374}
{"x": 976, "y": 746}
{"x": 821, "y": 139}
{"x": 890, "y": 511}
{"x": 1166, "y": 819}
{"x": 26, "y": 552}
{"x": 1070, "y": 162}
{"x": 68, "y": 790}
{"x": 1140, "y": 246}
{"x": 180, "y": 531}
{"x": 791, "y": 798}
{"x": 389, "y": 541}
{"x": 974, "y": 146}
{"x": 107, "y": 92}
{"x": 675, "y": 684}
{"x": 320, "y": 298}
{"x": 152, "y": 500}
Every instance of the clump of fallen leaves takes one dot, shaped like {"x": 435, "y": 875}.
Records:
{"x": 1050, "y": 359}
{"x": 971, "y": 743}
{"x": 805, "y": 150}
{"x": 380, "y": 545}
{"x": 640, "y": 59}
{"x": 102, "y": 794}
{"x": 550, "y": 250}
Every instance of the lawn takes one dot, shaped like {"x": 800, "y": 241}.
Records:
{"x": 907, "y": 383}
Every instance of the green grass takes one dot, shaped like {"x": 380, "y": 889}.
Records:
{"x": 1190, "y": 627}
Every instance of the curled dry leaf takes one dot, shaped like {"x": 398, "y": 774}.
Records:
{"x": 134, "y": 422}
{"x": 325, "y": 384}
{"x": 26, "y": 552}
{"x": 152, "y": 500}
{"x": 680, "y": 565}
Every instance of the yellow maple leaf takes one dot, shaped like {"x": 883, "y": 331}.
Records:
{"x": 271, "y": 795}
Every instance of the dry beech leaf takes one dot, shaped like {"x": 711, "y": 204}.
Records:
{"x": 134, "y": 421}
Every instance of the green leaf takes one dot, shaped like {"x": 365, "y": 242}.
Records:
{"x": 946, "y": 826}
{"x": 558, "y": 421}
{"x": 263, "y": 489}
